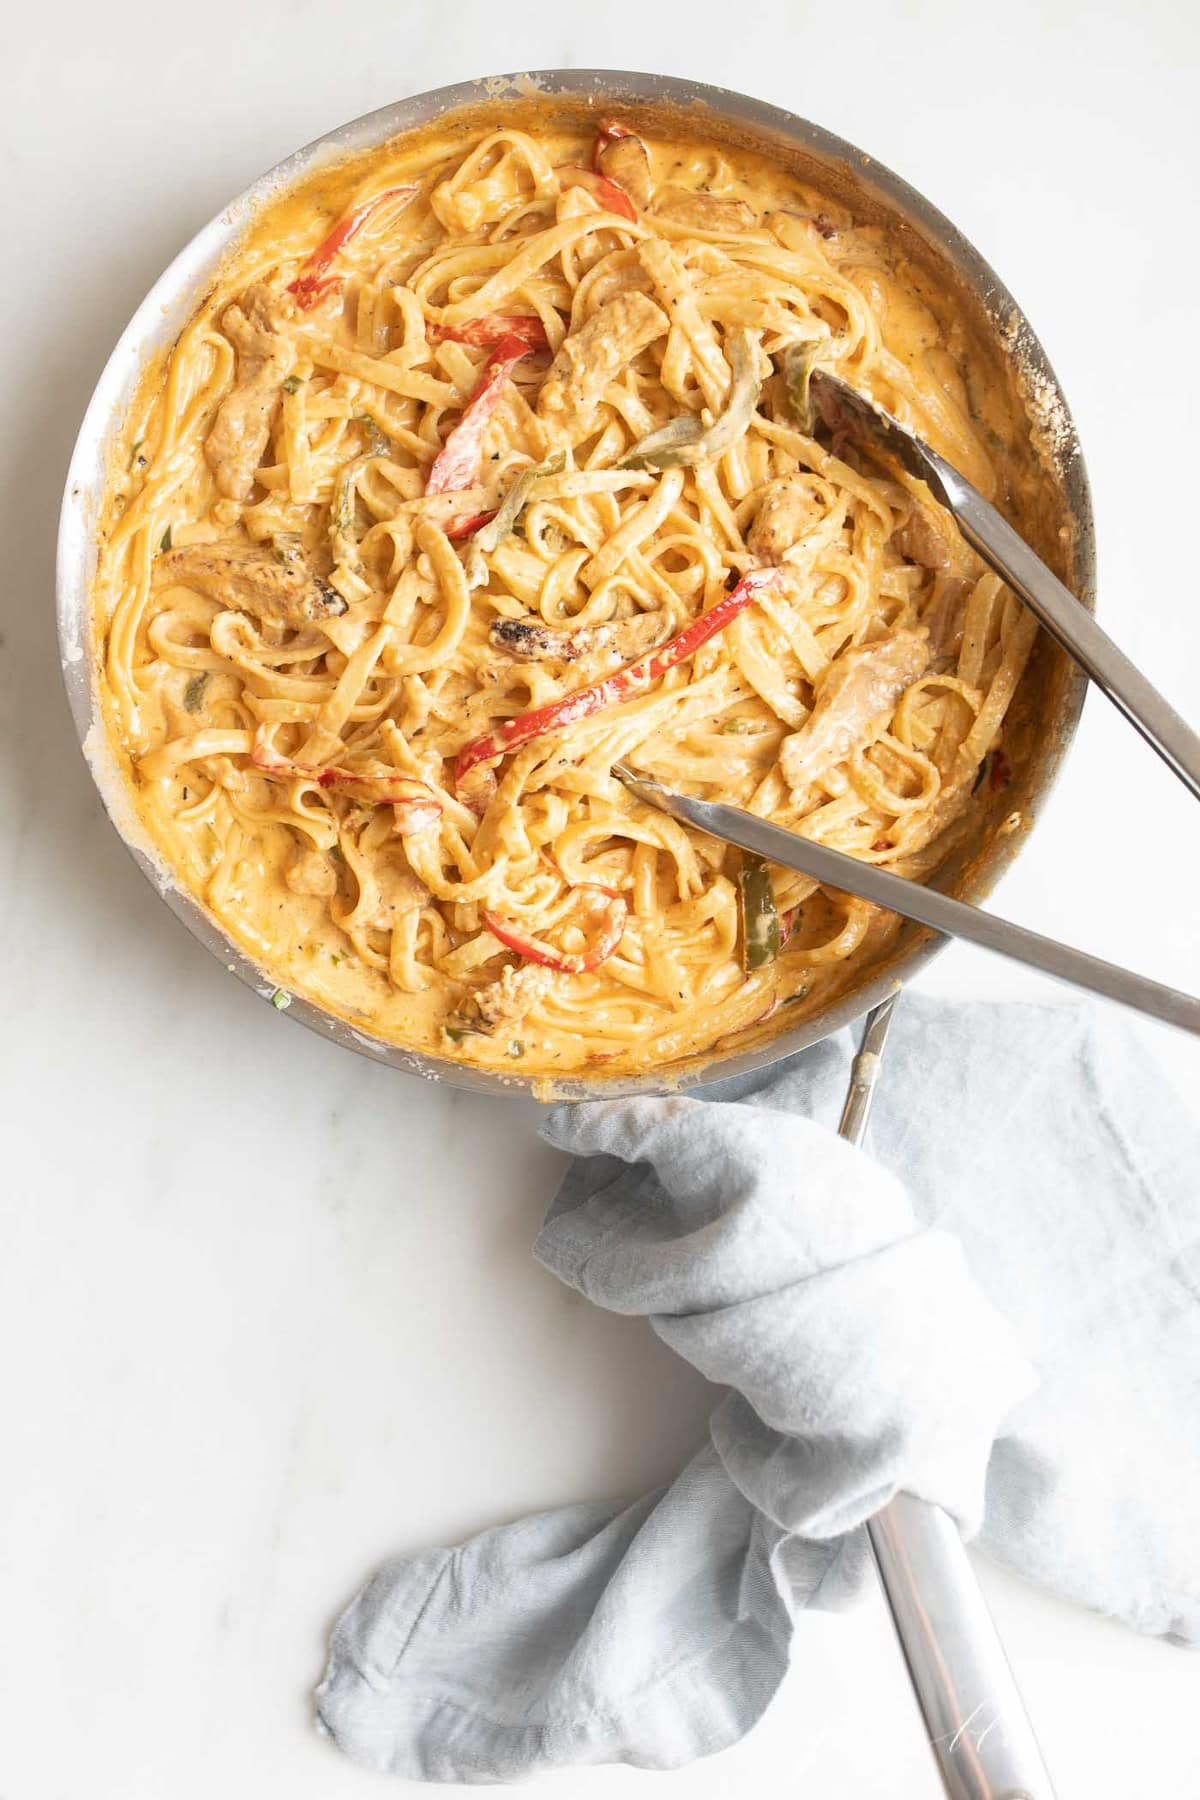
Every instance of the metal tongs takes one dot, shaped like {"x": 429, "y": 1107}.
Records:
{"x": 1074, "y": 628}
{"x": 977, "y": 1725}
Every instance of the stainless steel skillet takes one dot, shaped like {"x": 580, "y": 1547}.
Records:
{"x": 952, "y": 266}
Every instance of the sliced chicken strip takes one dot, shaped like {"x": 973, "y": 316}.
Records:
{"x": 945, "y": 615}
{"x": 507, "y": 1000}
{"x": 594, "y": 355}
{"x": 706, "y": 212}
{"x": 247, "y": 578}
{"x": 625, "y": 160}
{"x": 238, "y": 438}
{"x": 528, "y": 640}
{"x": 855, "y": 697}
{"x": 786, "y": 513}
{"x": 918, "y": 540}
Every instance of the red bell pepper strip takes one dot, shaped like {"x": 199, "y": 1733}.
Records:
{"x": 611, "y": 197}
{"x": 468, "y": 525}
{"x": 535, "y": 950}
{"x": 417, "y": 806}
{"x": 488, "y": 330}
{"x": 457, "y": 462}
{"x": 634, "y": 678}
{"x": 312, "y": 283}
{"x": 614, "y": 197}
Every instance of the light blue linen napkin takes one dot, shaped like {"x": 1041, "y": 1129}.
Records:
{"x": 873, "y": 1331}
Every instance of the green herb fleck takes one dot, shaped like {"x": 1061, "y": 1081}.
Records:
{"x": 166, "y": 539}
{"x": 336, "y": 852}
{"x": 280, "y": 1001}
{"x": 516, "y": 1048}
{"x": 456, "y": 1033}
{"x": 292, "y": 385}
{"x": 737, "y": 727}
{"x": 193, "y": 693}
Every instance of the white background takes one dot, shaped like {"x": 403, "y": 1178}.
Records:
{"x": 267, "y": 1312}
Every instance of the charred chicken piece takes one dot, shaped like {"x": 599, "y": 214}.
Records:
{"x": 249, "y": 578}
{"x": 529, "y": 640}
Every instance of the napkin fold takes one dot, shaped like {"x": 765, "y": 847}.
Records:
{"x": 871, "y": 1334}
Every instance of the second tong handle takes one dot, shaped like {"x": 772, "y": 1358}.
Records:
{"x": 1004, "y": 551}
{"x": 834, "y": 869}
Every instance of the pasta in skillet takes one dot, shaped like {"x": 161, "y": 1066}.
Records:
{"x": 487, "y": 463}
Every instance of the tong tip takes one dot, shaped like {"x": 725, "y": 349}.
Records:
{"x": 843, "y": 407}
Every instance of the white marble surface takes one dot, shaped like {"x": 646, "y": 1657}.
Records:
{"x": 267, "y": 1311}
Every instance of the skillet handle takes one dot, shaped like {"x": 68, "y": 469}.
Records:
{"x": 978, "y": 1728}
